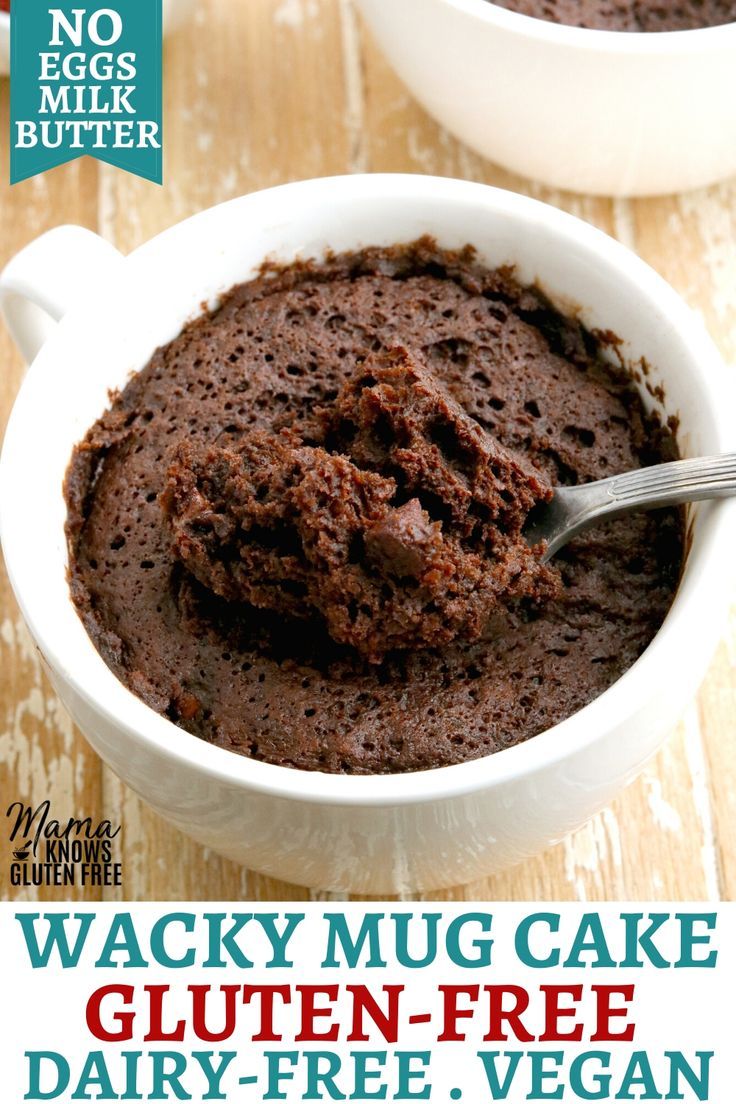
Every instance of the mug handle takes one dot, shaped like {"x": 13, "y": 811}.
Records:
{"x": 41, "y": 283}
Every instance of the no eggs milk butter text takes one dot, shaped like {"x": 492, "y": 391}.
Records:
{"x": 81, "y": 87}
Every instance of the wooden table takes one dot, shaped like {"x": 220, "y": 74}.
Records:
{"x": 266, "y": 91}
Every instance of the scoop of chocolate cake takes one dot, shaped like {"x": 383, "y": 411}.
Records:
{"x": 402, "y": 530}
{"x": 394, "y": 417}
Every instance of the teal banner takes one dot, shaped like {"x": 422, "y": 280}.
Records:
{"x": 85, "y": 79}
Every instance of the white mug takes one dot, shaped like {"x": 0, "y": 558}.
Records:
{"x": 90, "y": 317}
{"x": 605, "y": 112}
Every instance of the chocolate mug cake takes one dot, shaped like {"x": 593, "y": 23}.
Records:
{"x": 628, "y": 15}
{"x": 298, "y": 531}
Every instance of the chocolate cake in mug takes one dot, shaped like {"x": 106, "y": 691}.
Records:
{"x": 297, "y": 532}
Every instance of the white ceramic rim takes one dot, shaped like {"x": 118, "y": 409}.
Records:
{"x": 701, "y": 39}
{"x": 696, "y": 604}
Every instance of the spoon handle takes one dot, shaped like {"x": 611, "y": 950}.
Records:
{"x": 672, "y": 484}
{"x": 575, "y": 508}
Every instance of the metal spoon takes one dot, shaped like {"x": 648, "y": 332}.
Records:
{"x": 572, "y": 509}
